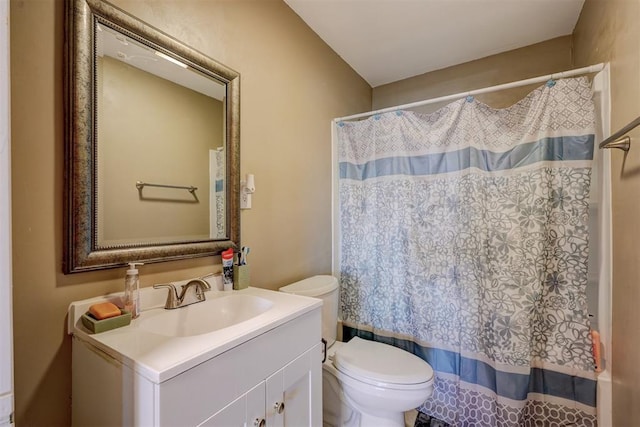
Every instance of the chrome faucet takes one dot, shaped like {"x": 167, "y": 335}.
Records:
{"x": 190, "y": 293}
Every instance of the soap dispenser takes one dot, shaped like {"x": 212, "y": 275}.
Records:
{"x": 132, "y": 290}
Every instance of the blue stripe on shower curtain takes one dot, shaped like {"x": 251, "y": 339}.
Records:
{"x": 485, "y": 262}
{"x": 563, "y": 148}
{"x": 513, "y": 385}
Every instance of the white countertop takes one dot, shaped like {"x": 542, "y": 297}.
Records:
{"x": 158, "y": 357}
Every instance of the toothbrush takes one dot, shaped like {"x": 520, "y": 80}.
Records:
{"x": 245, "y": 253}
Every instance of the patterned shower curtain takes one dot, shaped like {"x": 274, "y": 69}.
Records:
{"x": 217, "y": 205}
{"x": 464, "y": 240}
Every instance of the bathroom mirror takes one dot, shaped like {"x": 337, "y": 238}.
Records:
{"x": 151, "y": 145}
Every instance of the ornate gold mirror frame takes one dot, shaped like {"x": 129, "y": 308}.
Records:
{"x": 81, "y": 251}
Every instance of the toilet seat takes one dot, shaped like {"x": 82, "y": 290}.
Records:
{"x": 381, "y": 365}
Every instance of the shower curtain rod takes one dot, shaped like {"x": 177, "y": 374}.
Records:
{"x": 585, "y": 70}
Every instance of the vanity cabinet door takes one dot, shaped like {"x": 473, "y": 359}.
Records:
{"x": 291, "y": 395}
{"x": 247, "y": 410}
{"x": 232, "y": 415}
{"x": 274, "y": 399}
{"x": 255, "y": 406}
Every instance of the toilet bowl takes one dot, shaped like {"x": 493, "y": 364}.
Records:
{"x": 364, "y": 383}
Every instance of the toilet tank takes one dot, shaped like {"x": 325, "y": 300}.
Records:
{"x": 325, "y": 288}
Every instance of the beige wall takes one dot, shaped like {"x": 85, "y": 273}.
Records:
{"x": 610, "y": 31}
{"x": 153, "y": 130}
{"x": 531, "y": 61}
{"x": 292, "y": 85}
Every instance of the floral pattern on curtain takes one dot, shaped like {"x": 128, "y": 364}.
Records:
{"x": 464, "y": 240}
{"x": 218, "y": 228}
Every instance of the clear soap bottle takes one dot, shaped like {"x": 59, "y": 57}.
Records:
{"x": 132, "y": 290}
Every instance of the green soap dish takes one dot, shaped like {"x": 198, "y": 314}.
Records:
{"x": 96, "y": 326}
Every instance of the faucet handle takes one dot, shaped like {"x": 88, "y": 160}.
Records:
{"x": 201, "y": 286}
{"x": 172, "y": 295}
{"x": 206, "y": 286}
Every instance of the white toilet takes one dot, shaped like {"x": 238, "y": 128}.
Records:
{"x": 364, "y": 383}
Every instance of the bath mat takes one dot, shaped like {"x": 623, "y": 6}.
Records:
{"x": 424, "y": 420}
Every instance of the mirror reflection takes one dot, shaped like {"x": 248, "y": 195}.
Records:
{"x": 160, "y": 146}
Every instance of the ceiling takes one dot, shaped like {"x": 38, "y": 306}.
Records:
{"x": 389, "y": 40}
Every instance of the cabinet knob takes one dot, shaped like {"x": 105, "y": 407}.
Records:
{"x": 260, "y": 422}
{"x": 279, "y": 407}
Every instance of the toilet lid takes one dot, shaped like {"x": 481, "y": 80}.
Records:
{"x": 315, "y": 286}
{"x": 372, "y": 361}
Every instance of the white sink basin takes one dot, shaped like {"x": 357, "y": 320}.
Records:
{"x": 161, "y": 344}
{"x": 204, "y": 317}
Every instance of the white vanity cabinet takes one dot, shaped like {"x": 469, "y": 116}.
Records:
{"x": 275, "y": 376}
{"x": 285, "y": 398}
